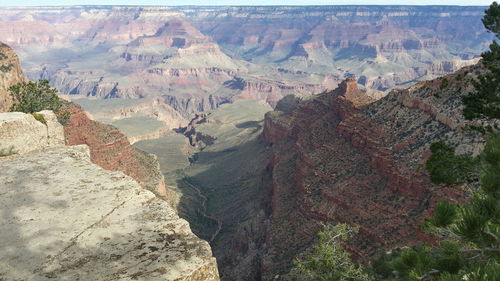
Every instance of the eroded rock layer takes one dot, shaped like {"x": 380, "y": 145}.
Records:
{"x": 110, "y": 149}
{"x": 197, "y": 58}
{"x": 339, "y": 158}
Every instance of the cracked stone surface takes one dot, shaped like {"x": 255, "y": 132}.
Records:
{"x": 65, "y": 218}
{"x": 22, "y": 133}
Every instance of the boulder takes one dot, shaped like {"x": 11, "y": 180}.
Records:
{"x": 21, "y": 133}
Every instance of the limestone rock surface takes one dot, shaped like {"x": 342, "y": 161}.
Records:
{"x": 65, "y": 218}
{"x": 21, "y": 133}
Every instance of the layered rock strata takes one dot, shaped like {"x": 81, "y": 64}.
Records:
{"x": 340, "y": 157}
{"x": 110, "y": 149}
{"x": 195, "y": 58}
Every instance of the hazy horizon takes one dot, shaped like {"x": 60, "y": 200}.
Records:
{"x": 7, "y": 3}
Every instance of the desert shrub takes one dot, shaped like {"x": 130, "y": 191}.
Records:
{"x": 446, "y": 167}
{"x": 444, "y": 84}
{"x": 30, "y": 97}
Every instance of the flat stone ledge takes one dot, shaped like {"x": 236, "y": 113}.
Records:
{"x": 65, "y": 218}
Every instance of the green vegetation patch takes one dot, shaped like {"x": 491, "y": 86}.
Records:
{"x": 172, "y": 152}
{"x": 6, "y": 68}
{"x": 39, "y": 117}
{"x": 446, "y": 167}
{"x": 31, "y": 97}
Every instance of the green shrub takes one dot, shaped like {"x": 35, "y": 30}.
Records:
{"x": 329, "y": 260}
{"x": 484, "y": 103}
{"x": 446, "y": 167}
{"x": 6, "y": 68}
{"x": 39, "y": 117}
{"x": 30, "y": 97}
{"x": 444, "y": 84}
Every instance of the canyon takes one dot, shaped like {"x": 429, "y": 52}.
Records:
{"x": 339, "y": 156}
{"x": 79, "y": 202}
{"x": 284, "y": 118}
{"x": 193, "y": 59}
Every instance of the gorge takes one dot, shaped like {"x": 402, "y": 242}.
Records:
{"x": 252, "y": 124}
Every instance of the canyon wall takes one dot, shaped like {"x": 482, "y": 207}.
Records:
{"x": 196, "y": 58}
{"x": 110, "y": 149}
{"x": 341, "y": 157}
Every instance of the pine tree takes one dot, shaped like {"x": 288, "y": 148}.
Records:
{"x": 329, "y": 261}
{"x": 484, "y": 103}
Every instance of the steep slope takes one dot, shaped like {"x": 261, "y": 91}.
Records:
{"x": 339, "y": 158}
{"x": 222, "y": 193}
{"x": 110, "y": 149}
{"x": 10, "y": 74}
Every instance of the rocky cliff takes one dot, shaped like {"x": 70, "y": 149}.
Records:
{"x": 340, "y": 157}
{"x": 10, "y": 74}
{"x": 68, "y": 218}
{"x": 110, "y": 149}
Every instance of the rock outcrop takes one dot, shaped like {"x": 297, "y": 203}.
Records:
{"x": 65, "y": 218}
{"x": 10, "y": 74}
{"x": 340, "y": 157}
{"x": 21, "y": 133}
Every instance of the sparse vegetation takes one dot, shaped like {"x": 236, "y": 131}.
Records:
{"x": 329, "y": 260}
{"x": 31, "y": 97}
{"x": 6, "y": 68}
{"x": 39, "y": 117}
{"x": 468, "y": 246}
{"x": 444, "y": 84}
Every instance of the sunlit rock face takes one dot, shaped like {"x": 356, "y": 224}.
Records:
{"x": 66, "y": 218}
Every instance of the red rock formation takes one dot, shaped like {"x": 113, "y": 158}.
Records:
{"x": 110, "y": 149}
{"x": 10, "y": 74}
{"x": 340, "y": 158}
